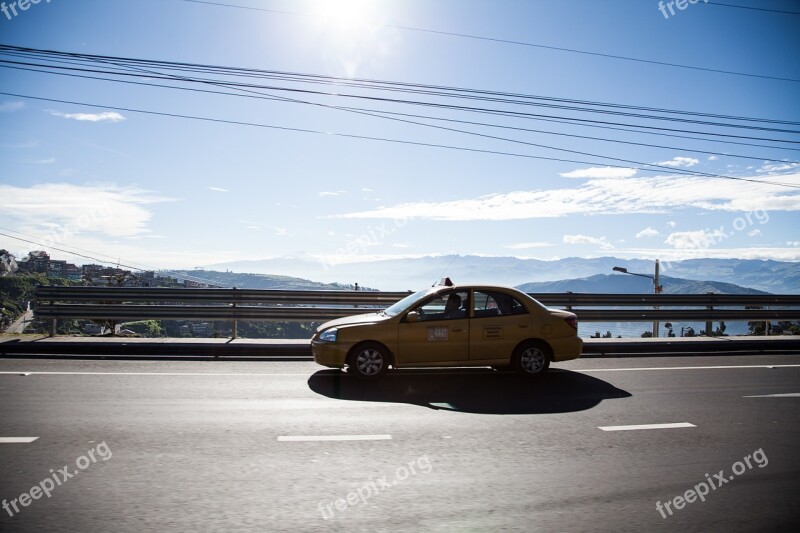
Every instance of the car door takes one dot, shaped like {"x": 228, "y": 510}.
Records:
{"x": 440, "y": 332}
{"x": 500, "y": 321}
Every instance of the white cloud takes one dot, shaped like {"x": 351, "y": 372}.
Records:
{"x": 712, "y": 158}
{"x": 680, "y": 162}
{"x": 69, "y": 209}
{"x": 528, "y": 245}
{"x": 660, "y": 194}
{"x": 49, "y": 161}
{"x": 331, "y": 193}
{"x": 586, "y": 239}
{"x": 672, "y": 224}
{"x": 773, "y": 168}
{"x": 600, "y": 172}
{"x": 28, "y": 144}
{"x": 217, "y": 189}
{"x": 666, "y": 254}
{"x": 754, "y": 233}
{"x": 647, "y": 232}
{"x": 793, "y": 243}
{"x": 699, "y": 239}
{"x": 281, "y": 232}
{"x": 108, "y": 116}
{"x": 7, "y": 107}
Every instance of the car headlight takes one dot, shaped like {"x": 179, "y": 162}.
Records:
{"x": 329, "y": 335}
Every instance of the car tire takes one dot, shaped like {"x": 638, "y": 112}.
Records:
{"x": 532, "y": 358}
{"x": 368, "y": 360}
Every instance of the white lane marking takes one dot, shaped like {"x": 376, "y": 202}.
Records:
{"x": 718, "y": 367}
{"x": 647, "y": 426}
{"x": 17, "y": 440}
{"x": 319, "y": 438}
{"x": 787, "y": 395}
{"x": 151, "y": 374}
{"x": 586, "y": 370}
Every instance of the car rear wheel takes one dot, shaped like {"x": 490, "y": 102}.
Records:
{"x": 368, "y": 361}
{"x": 532, "y": 359}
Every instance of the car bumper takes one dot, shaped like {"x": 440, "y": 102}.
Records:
{"x": 330, "y": 354}
{"x": 566, "y": 348}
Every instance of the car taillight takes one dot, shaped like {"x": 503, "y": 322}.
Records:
{"x": 572, "y": 321}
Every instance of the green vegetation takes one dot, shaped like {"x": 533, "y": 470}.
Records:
{"x": 146, "y": 328}
{"x": 781, "y": 328}
{"x": 17, "y": 290}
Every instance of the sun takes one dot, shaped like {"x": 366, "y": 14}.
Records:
{"x": 345, "y": 17}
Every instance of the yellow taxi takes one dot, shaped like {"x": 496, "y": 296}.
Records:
{"x": 448, "y": 325}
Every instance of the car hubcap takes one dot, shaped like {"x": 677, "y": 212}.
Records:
{"x": 369, "y": 362}
{"x": 533, "y": 360}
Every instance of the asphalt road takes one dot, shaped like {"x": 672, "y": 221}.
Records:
{"x": 282, "y": 446}
{"x": 19, "y": 325}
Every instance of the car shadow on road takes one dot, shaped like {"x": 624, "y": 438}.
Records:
{"x": 473, "y": 390}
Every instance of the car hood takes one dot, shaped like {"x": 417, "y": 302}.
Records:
{"x": 369, "y": 318}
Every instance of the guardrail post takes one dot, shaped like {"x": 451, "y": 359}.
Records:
{"x": 53, "y": 327}
{"x": 709, "y": 324}
{"x": 235, "y": 327}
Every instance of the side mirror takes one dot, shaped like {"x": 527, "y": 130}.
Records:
{"x": 413, "y": 316}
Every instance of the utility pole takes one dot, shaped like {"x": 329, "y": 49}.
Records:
{"x": 657, "y": 288}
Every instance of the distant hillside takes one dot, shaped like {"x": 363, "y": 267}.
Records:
{"x": 255, "y": 281}
{"x": 775, "y": 277}
{"x": 626, "y": 284}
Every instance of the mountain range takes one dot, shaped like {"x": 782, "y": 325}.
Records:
{"x": 775, "y": 277}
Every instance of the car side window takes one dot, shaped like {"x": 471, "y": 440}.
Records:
{"x": 494, "y": 303}
{"x": 448, "y": 306}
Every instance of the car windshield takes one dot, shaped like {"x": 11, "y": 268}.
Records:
{"x": 407, "y": 302}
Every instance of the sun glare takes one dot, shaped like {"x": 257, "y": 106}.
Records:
{"x": 345, "y": 16}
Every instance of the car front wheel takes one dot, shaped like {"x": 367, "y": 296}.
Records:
{"x": 368, "y": 361}
{"x": 532, "y": 359}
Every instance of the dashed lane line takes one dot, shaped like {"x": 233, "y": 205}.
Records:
{"x": 648, "y": 426}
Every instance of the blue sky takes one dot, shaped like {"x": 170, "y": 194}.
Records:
{"x": 163, "y": 192}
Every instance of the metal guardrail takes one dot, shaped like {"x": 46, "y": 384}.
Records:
{"x": 125, "y": 303}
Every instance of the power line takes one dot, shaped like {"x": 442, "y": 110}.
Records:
{"x": 382, "y": 115}
{"x": 516, "y": 114}
{"x": 546, "y": 132}
{"x": 375, "y": 112}
{"x": 423, "y": 89}
{"x": 780, "y": 11}
{"x": 416, "y": 88}
{"x": 532, "y": 45}
{"x": 390, "y": 140}
{"x": 71, "y": 252}
{"x": 553, "y": 120}
{"x": 493, "y": 137}
{"x": 126, "y": 64}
